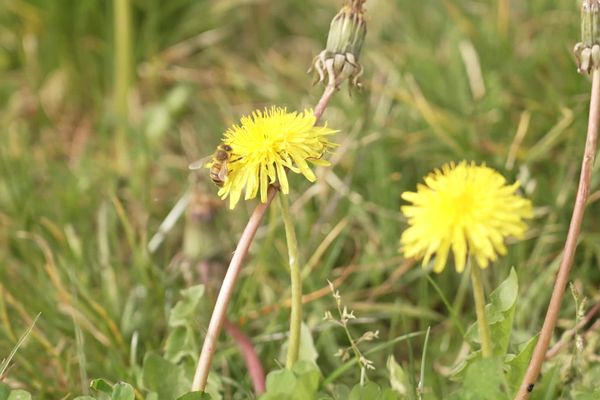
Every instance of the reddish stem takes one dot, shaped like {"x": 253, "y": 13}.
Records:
{"x": 255, "y": 369}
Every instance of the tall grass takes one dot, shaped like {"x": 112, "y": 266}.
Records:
{"x": 73, "y": 229}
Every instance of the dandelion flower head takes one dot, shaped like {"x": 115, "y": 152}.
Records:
{"x": 465, "y": 208}
{"x": 267, "y": 144}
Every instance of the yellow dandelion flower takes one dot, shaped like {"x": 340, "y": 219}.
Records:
{"x": 265, "y": 145}
{"x": 465, "y": 208}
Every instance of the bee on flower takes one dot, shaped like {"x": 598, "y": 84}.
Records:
{"x": 263, "y": 148}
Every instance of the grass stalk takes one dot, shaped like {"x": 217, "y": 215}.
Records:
{"x": 482, "y": 324}
{"x": 560, "y": 284}
{"x": 296, "y": 283}
{"x": 123, "y": 68}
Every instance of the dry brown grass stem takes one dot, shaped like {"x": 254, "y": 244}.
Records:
{"x": 562, "y": 278}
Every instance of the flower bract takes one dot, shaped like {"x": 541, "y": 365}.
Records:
{"x": 268, "y": 144}
{"x": 466, "y": 208}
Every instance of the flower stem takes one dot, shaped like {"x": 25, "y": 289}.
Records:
{"x": 123, "y": 68}
{"x": 566, "y": 263}
{"x": 225, "y": 293}
{"x": 324, "y": 101}
{"x": 482, "y": 324}
{"x": 296, "y": 279}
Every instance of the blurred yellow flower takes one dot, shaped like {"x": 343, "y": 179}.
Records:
{"x": 466, "y": 208}
{"x": 265, "y": 145}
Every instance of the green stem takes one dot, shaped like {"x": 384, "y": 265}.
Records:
{"x": 296, "y": 278}
{"x": 123, "y": 69}
{"x": 482, "y": 324}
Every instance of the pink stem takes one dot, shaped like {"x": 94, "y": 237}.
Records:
{"x": 255, "y": 369}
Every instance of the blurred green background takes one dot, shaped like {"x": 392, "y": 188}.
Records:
{"x": 102, "y": 112}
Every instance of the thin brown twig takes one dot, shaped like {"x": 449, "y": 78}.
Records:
{"x": 562, "y": 277}
{"x": 591, "y": 314}
{"x": 226, "y": 292}
{"x": 307, "y": 298}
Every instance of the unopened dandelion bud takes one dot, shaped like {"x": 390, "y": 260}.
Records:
{"x": 339, "y": 60}
{"x": 347, "y": 30}
{"x": 587, "y": 52}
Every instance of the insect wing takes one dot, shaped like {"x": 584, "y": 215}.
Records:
{"x": 199, "y": 164}
{"x": 223, "y": 171}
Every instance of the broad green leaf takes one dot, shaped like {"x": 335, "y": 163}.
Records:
{"x": 370, "y": 391}
{"x": 102, "y": 386}
{"x": 308, "y": 376}
{"x": 501, "y": 312}
{"x": 483, "y": 380}
{"x": 4, "y": 391}
{"x": 308, "y": 352}
{"x": 279, "y": 396}
{"x": 122, "y": 391}
{"x": 195, "y": 396}
{"x": 19, "y": 395}
{"x": 84, "y": 398}
{"x": 389, "y": 394}
{"x": 163, "y": 377}
{"x": 340, "y": 392}
{"x": 505, "y": 296}
{"x": 518, "y": 364}
{"x": 186, "y": 307}
{"x": 180, "y": 343}
{"x": 281, "y": 381}
{"x": 398, "y": 379}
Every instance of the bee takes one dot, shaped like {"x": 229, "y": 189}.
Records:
{"x": 218, "y": 167}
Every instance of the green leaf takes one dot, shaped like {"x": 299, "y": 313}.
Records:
{"x": 505, "y": 296}
{"x": 4, "y": 391}
{"x": 501, "y": 312}
{"x": 308, "y": 351}
{"x": 281, "y": 381}
{"x": 19, "y": 395}
{"x": 185, "y": 308}
{"x": 122, "y": 391}
{"x": 483, "y": 380}
{"x": 518, "y": 364}
{"x": 163, "y": 377}
{"x": 84, "y": 398}
{"x": 340, "y": 392}
{"x": 398, "y": 379}
{"x": 308, "y": 376}
{"x": 181, "y": 342}
{"x": 389, "y": 394}
{"x": 370, "y": 391}
{"x": 195, "y": 396}
{"x": 102, "y": 386}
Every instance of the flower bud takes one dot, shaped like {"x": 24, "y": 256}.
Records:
{"x": 587, "y": 51}
{"x": 339, "y": 60}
